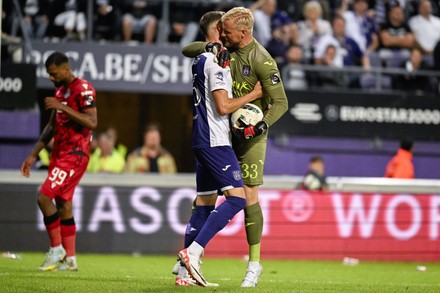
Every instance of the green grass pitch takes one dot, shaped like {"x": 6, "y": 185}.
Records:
{"x": 124, "y": 273}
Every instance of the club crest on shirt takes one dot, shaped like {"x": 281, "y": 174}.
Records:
{"x": 246, "y": 71}
{"x": 219, "y": 75}
{"x": 237, "y": 175}
{"x": 275, "y": 78}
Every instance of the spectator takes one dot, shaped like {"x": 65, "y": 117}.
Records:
{"x": 351, "y": 52}
{"x": 309, "y": 31}
{"x": 315, "y": 178}
{"x": 70, "y": 16}
{"x": 106, "y": 159}
{"x": 295, "y": 77}
{"x": 263, "y": 11}
{"x": 273, "y": 28}
{"x": 332, "y": 78}
{"x": 412, "y": 7}
{"x": 412, "y": 82}
{"x": 325, "y": 6}
{"x": 35, "y": 16}
{"x": 360, "y": 26}
{"x": 138, "y": 18}
{"x": 348, "y": 51}
{"x": 119, "y": 147}
{"x": 151, "y": 156}
{"x": 395, "y": 35}
{"x": 426, "y": 27}
{"x": 107, "y": 19}
{"x": 401, "y": 165}
{"x": 184, "y": 29}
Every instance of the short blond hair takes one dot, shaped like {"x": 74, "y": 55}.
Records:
{"x": 312, "y": 5}
{"x": 243, "y": 18}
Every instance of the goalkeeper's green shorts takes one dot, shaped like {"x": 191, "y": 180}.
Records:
{"x": 251, "y": 155}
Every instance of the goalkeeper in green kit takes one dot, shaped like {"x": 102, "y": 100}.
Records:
{"x": 249, "y": 63}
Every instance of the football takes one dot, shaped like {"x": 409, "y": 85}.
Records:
{"x": 249, "y": 114}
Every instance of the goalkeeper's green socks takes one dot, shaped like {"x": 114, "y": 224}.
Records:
{"x": 254, "y": 230}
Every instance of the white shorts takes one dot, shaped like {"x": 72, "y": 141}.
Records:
{"x": 138, "y": 24}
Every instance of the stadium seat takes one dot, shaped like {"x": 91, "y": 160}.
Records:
{"x": 368, "y": 81}
{"x": 395, "y": 61}
{"x": 374, "y": 59}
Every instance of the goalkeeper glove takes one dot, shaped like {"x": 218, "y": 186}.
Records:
{"x": 251, "y": 131}
{"x": 222, "y": 55}
{"x": 213, "y": 48}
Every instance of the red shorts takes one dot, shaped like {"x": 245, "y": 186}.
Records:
{"x": 63, "y": 176}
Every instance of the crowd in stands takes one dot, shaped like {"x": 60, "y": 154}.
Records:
{"x": 334, "y": 34}
{"x": 111, "y": 156}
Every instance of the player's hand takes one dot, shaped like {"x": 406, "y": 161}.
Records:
{"x": 222, "y": 55}
{"x": 52, "y": 103}
{"x": 251, "y": 131}
{"x": 213, "y": 48}
{"x": 258, "y": 90}
{"x": 26, "y": 166}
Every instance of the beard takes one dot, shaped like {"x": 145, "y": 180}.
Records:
{"x": 230, "y": 45}
{"x": 58, "y": 83}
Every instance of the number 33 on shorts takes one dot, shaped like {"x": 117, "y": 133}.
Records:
{"x": 249, "y": 171}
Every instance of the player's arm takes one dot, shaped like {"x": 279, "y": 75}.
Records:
{"x": 269, "y": 75}
{"x": 225, "y": 105}
{"x": 279, "y": 105}
{"x": 222, "y": 55}
{"x": 87, "y": 118}
{"x": 45, "y": 136}
{"x": 273, "y": 86}
{"x": 194, "y": 49}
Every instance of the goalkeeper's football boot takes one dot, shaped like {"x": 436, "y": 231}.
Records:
{"x": 253, "y": 274}
{"x": 192, "y": 264}
{"x": 53, "y": 259}
{"x": 68, "y": 265}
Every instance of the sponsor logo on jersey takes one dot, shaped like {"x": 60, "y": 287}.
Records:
{"x": 275, "y": 78}
{"x": 85, "y": 85}
{"x": 226, "y": 167}
{"x": 246, "y": 71}
{"x": 86, "y": 93}
{"x": 268, "y": 63}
